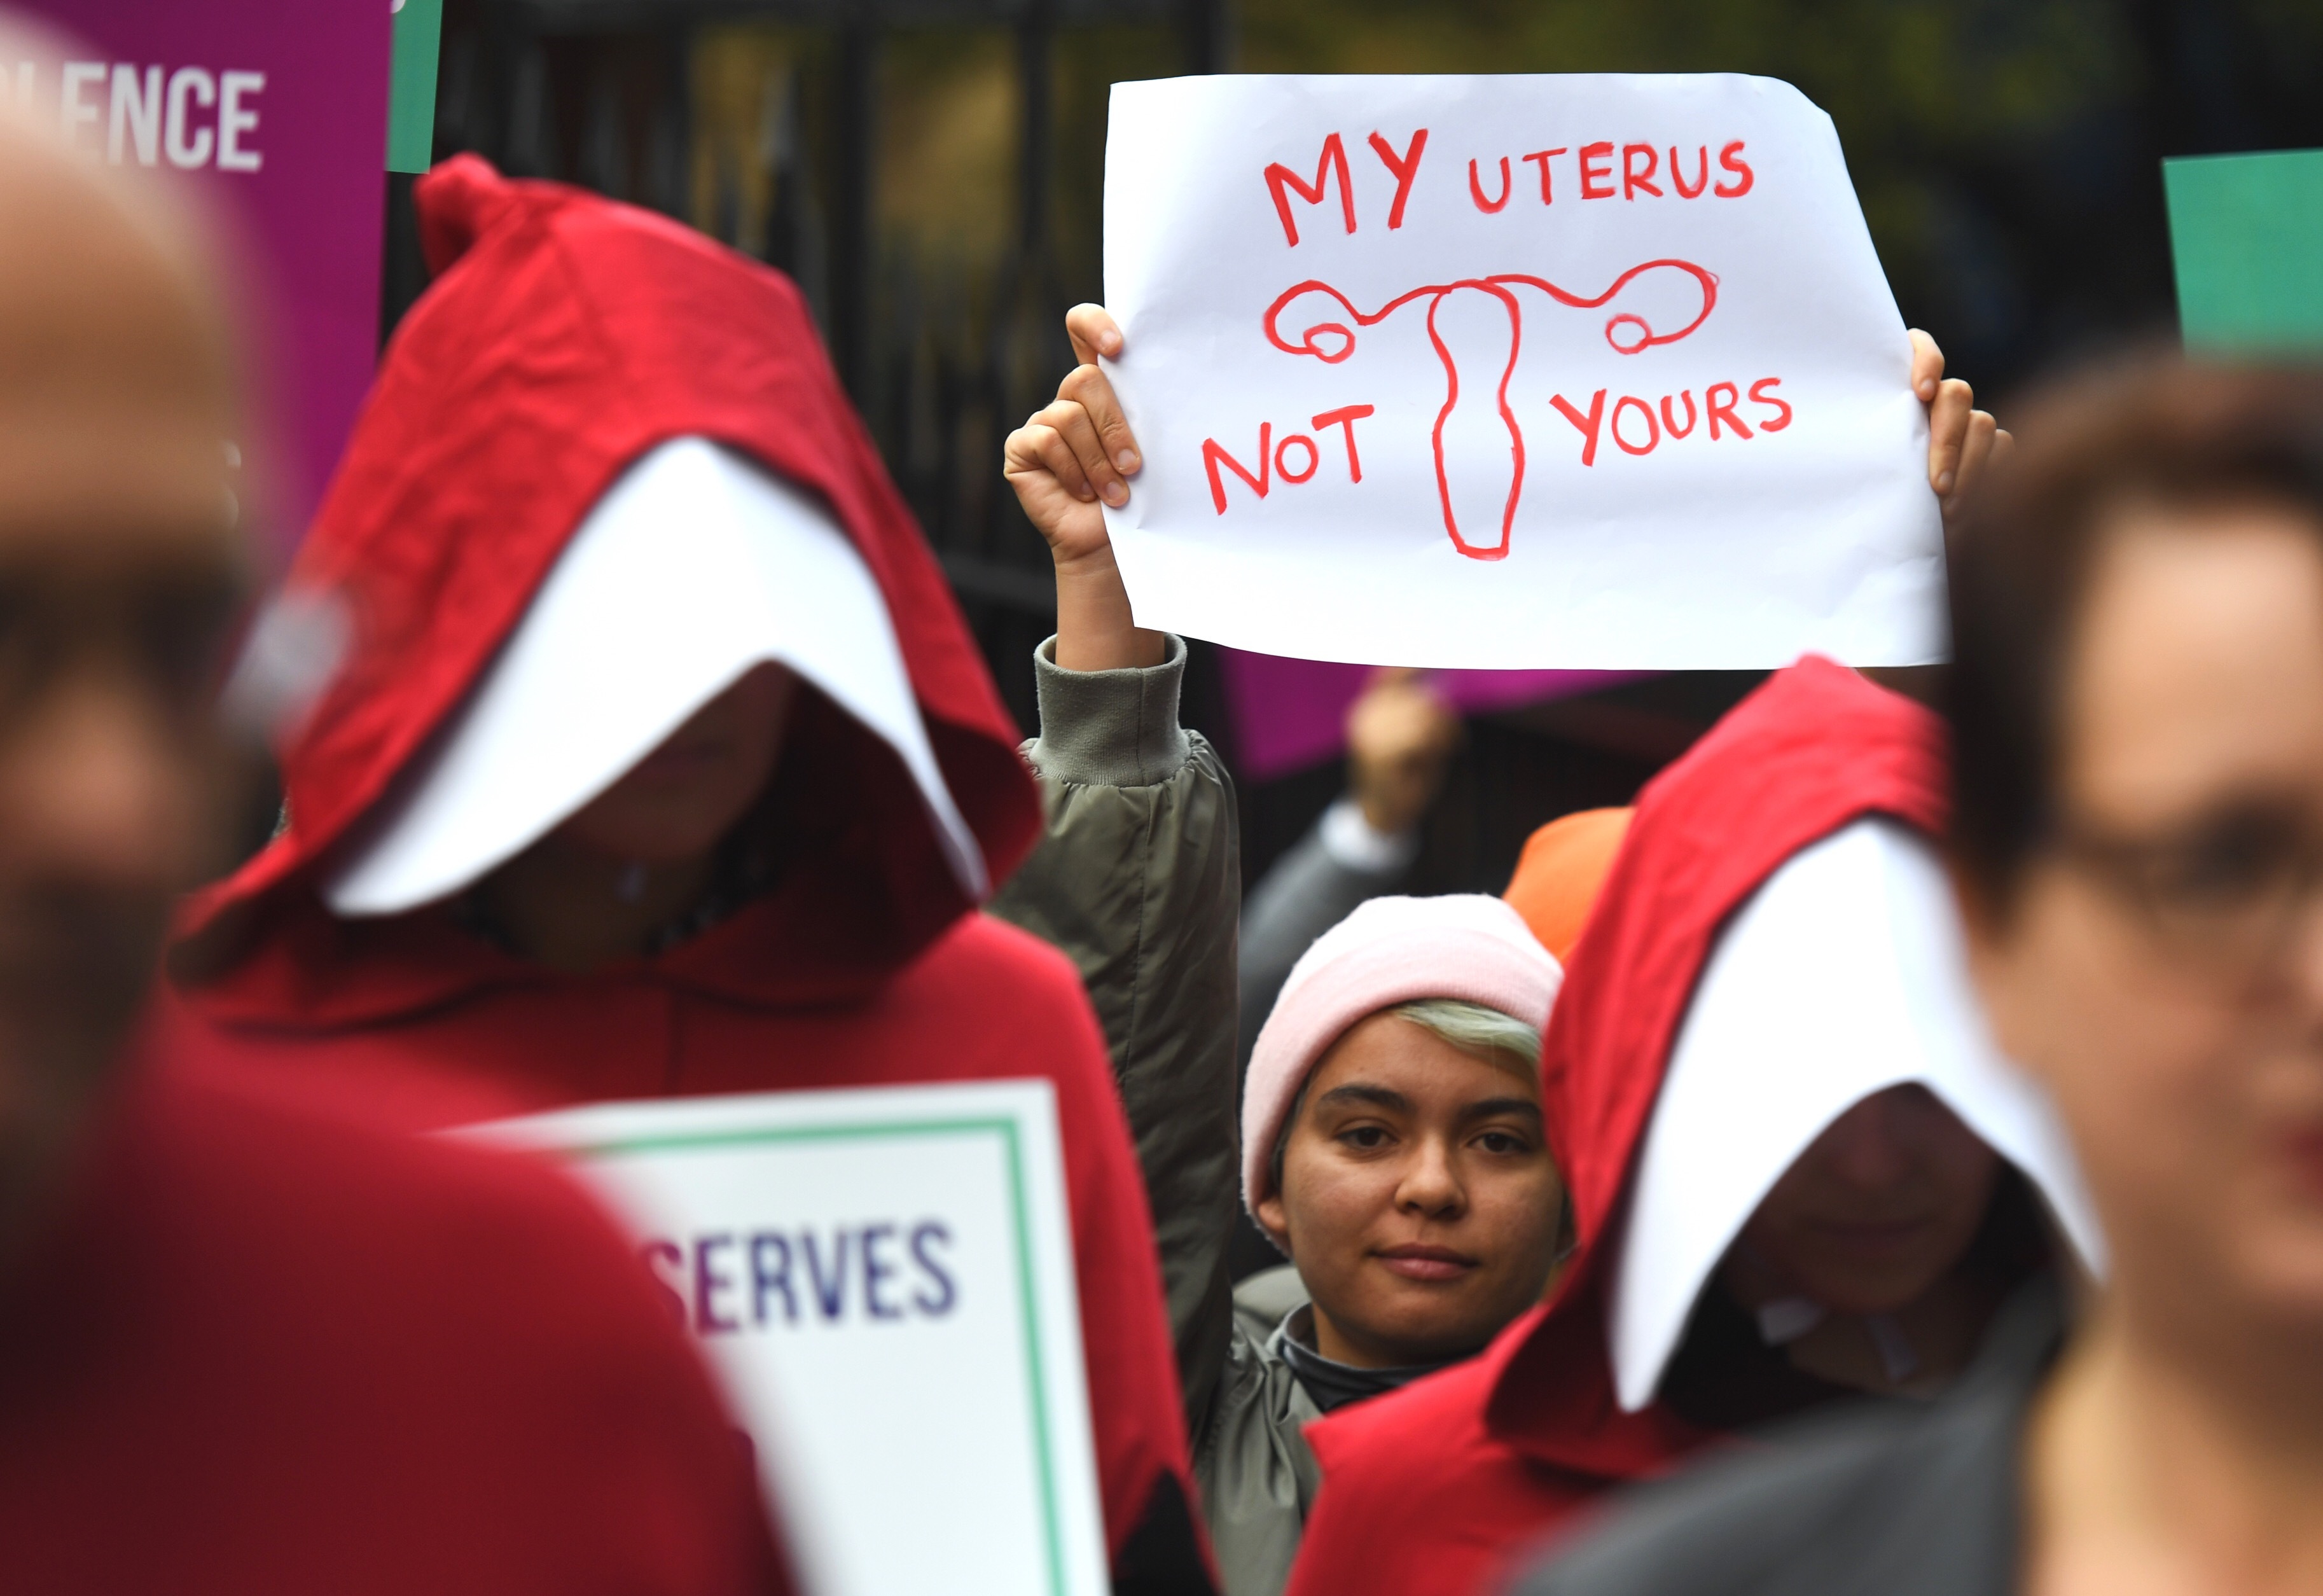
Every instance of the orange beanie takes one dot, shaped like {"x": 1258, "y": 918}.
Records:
{"x": 1557, "y": 875}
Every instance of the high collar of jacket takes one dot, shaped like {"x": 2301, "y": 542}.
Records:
{"x": 1814, "y": 748}
{"x": 565, "y": 338}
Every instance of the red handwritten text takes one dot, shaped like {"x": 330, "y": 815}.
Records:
{"x": 1541, "y": 157}
{"x": 1213, "y": 456}
{"x": 1347, "y": 418}
{"x": 1640, "y": 172}
{"x": 1648, "y": 426}
{"x": 1275, "y": 459}
{"x": 1476, "y": 189}
{"x": 1281, "y": 182}
{"x": 1332, "y": 340}
{"x": 1405, "y": 167}
{"x": 1597, "y": 180}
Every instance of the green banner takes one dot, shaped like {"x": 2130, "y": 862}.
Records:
{"x": 411, "y": 87}
{"x": 2246, "y": 232}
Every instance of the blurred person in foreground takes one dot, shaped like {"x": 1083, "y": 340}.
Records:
{"x": 2136, "y": 702}
{"x": 241, "y": 1351}
{"x": 660, "y": 762}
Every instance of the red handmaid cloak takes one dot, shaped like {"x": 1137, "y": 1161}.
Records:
{"x": 250, "y": 1353}
{"x": 565, "y": 338}
{"x": 1431, "y": 1490}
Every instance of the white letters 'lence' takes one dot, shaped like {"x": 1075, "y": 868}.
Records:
{"x": 144, "y": 114}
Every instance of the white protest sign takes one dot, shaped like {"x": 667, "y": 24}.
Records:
{"x": 1594, "y": 371}
{"x": 883, "y": 1279}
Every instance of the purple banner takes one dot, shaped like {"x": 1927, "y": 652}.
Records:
{"x": 1292, "y": 713}
{"x": 279, "y": 113}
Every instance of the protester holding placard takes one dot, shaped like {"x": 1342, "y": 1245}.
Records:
{"x": 244, "y": 1351}
{"x": 1800, "y": 1173}
{"x": 2138, "y": 717}
{"x": 657, "y": 761}
{"x": 1391, "y": 1135}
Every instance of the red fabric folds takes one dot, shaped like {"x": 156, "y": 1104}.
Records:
{"x": 255, "y": 1356}
{"x": 1433, "y": 1488}
{"x": 565, "y": 338}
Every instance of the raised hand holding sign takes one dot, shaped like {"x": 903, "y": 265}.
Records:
{"x": 1441, "y": 372}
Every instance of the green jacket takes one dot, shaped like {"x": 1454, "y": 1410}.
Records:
{"x": 1139, "y": 880}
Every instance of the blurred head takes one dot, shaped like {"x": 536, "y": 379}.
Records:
{"x": 1413, "y": 1186}
{"x": 680, "y": 801}
{"x": 645, "y": 851}
{"x": 1879, "y": 1208}
{"x": 1401, "y": 737}
{"x": 119, "y": 573}
{"x": 2137, "y": 617}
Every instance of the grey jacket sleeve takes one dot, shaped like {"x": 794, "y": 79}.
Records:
{"x": 1139, "y": 881}
{"x": 1259, "y": 1477}
{"x": 1308, "y": 890}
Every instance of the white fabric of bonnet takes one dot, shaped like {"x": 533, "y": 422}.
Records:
{"x": 696, "y": 566}
{"x": 1844, "y": 974}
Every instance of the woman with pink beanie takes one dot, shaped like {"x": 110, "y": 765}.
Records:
{"x": 1401, "y": 1063}
{"x": 1392, "y": 1146}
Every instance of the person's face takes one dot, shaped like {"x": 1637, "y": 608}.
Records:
{"x": 119, "y": 573}
{"x": 677, "y": 803}
{"x": 1417, "y": 1195}
{"x": 1878, "y": 1208}
{"x": 2159, "y": 965}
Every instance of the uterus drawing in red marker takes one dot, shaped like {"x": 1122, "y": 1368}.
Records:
{"x": 1476, "y": 326}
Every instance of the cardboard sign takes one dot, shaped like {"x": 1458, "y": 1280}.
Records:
{"x": 1589, "y": 372}
{"x": 279, "y": 113}
{"x": 885, "y": 1281}
{"x": 2246, "y": 235}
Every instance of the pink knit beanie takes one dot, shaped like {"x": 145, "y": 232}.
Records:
{"x": 1388, "y": 951}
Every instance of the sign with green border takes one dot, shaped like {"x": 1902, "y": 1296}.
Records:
{"x": 883, "y": 1279}
{"x": 2246, "y": 235}
{"x": 411, "y": 85}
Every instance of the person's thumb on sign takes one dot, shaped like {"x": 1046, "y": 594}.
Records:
{"x": 1068, "y": 461}
{"x": 1960, "y": 437}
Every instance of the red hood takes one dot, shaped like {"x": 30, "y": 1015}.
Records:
{"x": 564, "y": 338}
{"x": 1814, "y": 748}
